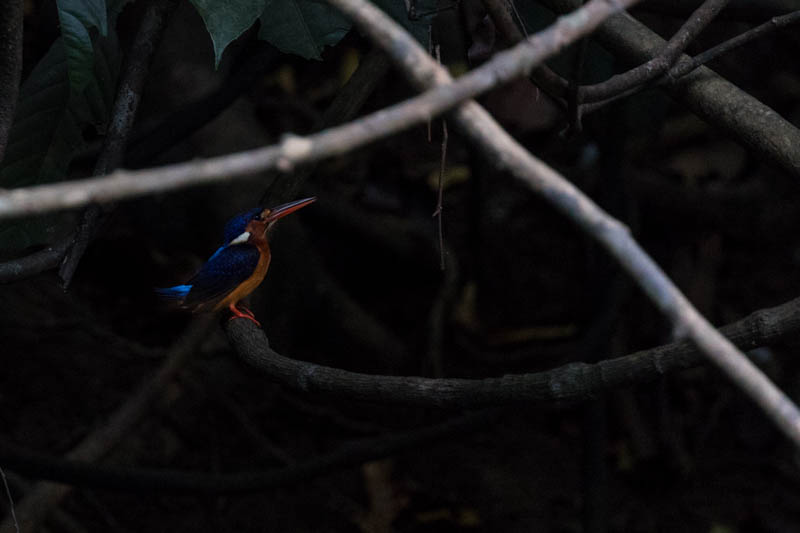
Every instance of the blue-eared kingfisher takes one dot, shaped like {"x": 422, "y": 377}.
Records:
{"x": 237, "y": 267}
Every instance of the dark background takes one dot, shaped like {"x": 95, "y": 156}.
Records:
{"x": 355, "y": 283}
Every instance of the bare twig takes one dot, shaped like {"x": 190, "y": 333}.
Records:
{"x": 147, "y": 143}
{"x": 775, "y": 23}
{"x": 150, "y": 480}
{"x": 742, "y": 10}
{"x": 500, "y": 12}
{"x": 295, "y": 150}
{"x": 35, "y": 506}
{"x": 438, "y": 212}
{"x": 126, "y": 104}
{"x": 13, "y": 512}
{"x": 442, "y": 167}
{"x": 11, "y": 15}
{"x": 498, "y": 146}
{"x": 661, "y": 62}
{"x": 686, "y": 66}
{"x": 712, "y": 98}
{"x": 349, "y": 100}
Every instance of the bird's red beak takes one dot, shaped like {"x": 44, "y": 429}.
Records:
{"x": 286, "y": 209}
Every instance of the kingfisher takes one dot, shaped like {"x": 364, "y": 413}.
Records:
{"x": 237, "y": 267}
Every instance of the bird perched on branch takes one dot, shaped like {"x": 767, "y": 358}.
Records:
{"x": 237, "y": 267}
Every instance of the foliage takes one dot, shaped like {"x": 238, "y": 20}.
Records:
{"x": 70, "y": 89}
{"x": 300, "y": 27}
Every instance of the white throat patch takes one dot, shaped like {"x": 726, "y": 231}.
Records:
{"x": 241, "y": 239}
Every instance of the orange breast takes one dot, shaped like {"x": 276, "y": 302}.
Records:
{"x": 250, "y": 284}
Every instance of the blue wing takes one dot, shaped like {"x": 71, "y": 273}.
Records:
{"x": 174, "y": 294}
{"x": 222, "y": 273}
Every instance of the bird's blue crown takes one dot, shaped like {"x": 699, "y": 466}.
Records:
{"x": 237, "y": 224}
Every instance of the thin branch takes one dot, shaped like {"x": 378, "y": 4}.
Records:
{"x": 123, "y": 113}
{"x": 686, "y": 65}
{"x": 440, "y": 193}
{"x": 13, "y": 512}
{"x": 499, "y": 147}
{"x": 775, "y": 23}
{"x": 294, "y": 150}
{"x": 714, "y": 99}
{"x": 661, "y": 62}
{"x": 148, "y": 143}
{"x": 740, "y": 10}
{"x": 349, "y": 100}
{"x": 440, "y": 189}
{"x": 41, "y": 499}
{"x": 542, "y": 76}
{"x": 150, "y": 480}
{"x": 11, "y": 15}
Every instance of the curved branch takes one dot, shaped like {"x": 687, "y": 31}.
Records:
{"x": 761, "y": 328}
{"x": 569, "y": 383}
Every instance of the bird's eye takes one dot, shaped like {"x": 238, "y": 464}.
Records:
{"x": 264, "y": 214}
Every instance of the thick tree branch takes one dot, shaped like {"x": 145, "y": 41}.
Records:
{"x": 567, "y": 384}
{"x": 500, "y": 148}
{"x": 10, "y": 65}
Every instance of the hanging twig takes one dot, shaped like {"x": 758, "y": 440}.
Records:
{"x": 442, "y": 167}
{"x": 13, "y": 512}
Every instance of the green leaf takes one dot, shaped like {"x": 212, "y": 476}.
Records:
{"x": 90, "y": 13}
{"x": 227, "y": 19}
{"x": 302, "y": 27}
{"x": 48, "y": 132}
{"x": 77, "y": 18}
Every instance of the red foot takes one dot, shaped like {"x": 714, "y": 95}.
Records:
{"x": 243, "y": 313}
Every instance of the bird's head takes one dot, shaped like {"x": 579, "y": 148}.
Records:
{"x": 253, "y": 225}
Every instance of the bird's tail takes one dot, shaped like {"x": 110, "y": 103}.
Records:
{"x": 174, "y": 294}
